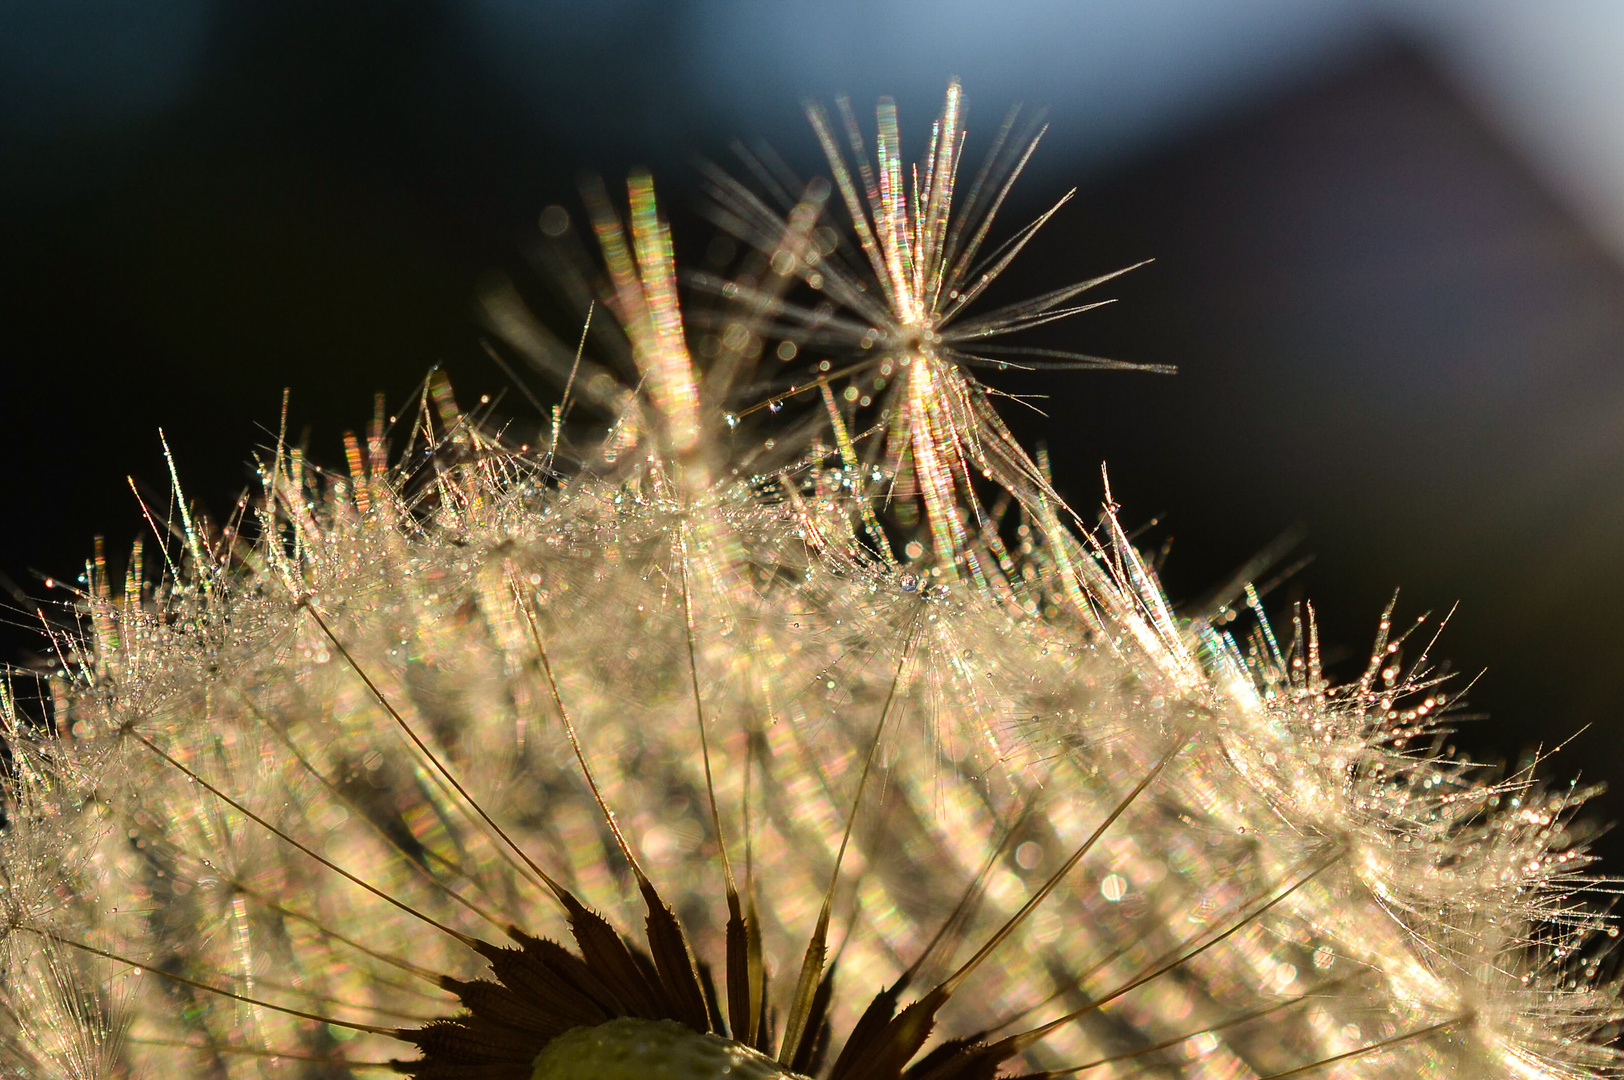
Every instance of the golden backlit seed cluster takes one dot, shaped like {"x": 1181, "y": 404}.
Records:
{"x": 314, "y": 784}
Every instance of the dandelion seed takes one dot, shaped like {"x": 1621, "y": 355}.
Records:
{"x": 668, "y": 767}
{"x": 902, "y": 302}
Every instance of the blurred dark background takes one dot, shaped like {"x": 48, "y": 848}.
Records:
{"x": 1388, "y": 243}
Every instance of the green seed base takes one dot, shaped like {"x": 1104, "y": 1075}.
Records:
{"x": 629, "y": 1049}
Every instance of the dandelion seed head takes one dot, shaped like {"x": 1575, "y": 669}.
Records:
{"x": 748, "y": 742}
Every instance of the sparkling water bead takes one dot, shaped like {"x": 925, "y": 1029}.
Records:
{"x": 631, "y": 1049}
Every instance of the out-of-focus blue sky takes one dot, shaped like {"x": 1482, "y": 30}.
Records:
{"x": 95, "y": 61}
{"x": 1123, "y": 75}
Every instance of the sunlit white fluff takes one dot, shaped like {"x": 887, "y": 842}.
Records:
{"x": 225, "y": 803}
